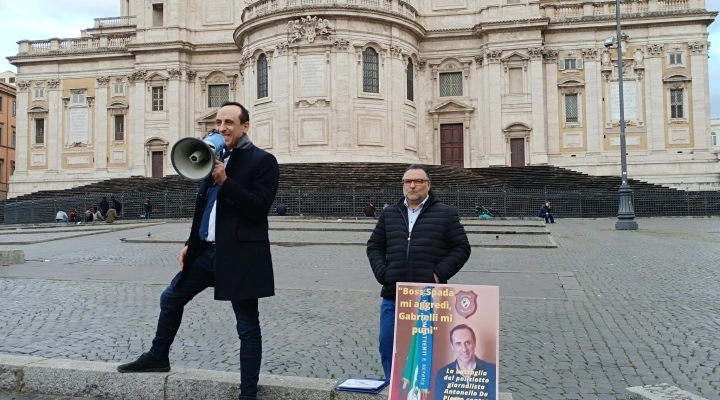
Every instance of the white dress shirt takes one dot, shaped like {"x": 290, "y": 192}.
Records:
{"x": 211, "y": 224}
{"x": 413, "y": 214}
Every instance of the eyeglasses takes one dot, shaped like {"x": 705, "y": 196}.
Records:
{"x": 415, "y": 181}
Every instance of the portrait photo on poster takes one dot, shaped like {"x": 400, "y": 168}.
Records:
{"x": 446, "y": 342}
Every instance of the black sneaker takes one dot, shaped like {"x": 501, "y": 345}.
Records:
{"x": 146, "y": 363}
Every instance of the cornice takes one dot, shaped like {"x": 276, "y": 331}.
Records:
{"x": 112, "y": 52}
{"x": 648, "y": 19}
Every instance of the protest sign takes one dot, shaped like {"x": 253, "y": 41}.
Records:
{"x": 446, "y": 342}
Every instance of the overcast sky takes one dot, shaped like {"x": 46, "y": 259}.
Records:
{"x": 44, "y": 19}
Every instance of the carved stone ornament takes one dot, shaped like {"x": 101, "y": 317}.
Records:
{"x": 479, "y": 60}
{"x": 654, "y": 50}
{"x": 174, "y": 73}
{"x": 102, "y": 80}
{"x": 312, "y": 103}
{"x": 39, "y": 83}
{"x": 53, "y": 83}
{"x": 342, "y": 44}
{"x": 697, "y": 47}
{"x": 191, "y": 75}
{"x": 395, "y": 51}
{"x": 421, "y": 63}
{"x": 494, "y": 55}
{"x": 590, "y": 54}
{"x": 23, "y": 85}
{"x": 309, "y": 28}
{"x": 245, "y": 60}
{"x": 282, "y": 47}
{"x": 550, "y": 55}
{"x": 137, "y": 75}
{"x": 535, "y": 52}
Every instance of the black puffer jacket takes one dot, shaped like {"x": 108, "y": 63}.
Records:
{"x": 438, "y": 245}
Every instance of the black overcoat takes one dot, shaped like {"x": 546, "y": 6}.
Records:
{"x": 243, "y": 265}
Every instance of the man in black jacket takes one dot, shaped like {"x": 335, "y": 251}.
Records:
{"x": 419, "y": 239}
{"x": 228, "y": 249}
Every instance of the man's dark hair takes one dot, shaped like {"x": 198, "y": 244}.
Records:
{"x": 244, "y": 116}
{"x": 463, "y": 326}
{"x": 419, "y": 166}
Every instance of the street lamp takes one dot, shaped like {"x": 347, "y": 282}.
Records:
{"x": 626, "y": 212}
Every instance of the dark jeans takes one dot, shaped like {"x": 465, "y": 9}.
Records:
{"x": 549, "y": 216}
{"x": 148, "y": 214}
{"x": 387, "y": 334}
{"x": 195, "y": 279}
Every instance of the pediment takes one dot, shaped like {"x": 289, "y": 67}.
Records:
{"x": 156, "y": 76}
{"x": 38, "y": 109}
{"x": 677, "y": 77}
{"x": 571, "y": 82}
{"x": 118, "y": 104}
{"x": 515, "y": 56}
{"x": 451, "y": 106}
{"x": 207, "y": 117}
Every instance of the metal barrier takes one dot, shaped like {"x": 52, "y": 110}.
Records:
{"x": 351, "y": 203}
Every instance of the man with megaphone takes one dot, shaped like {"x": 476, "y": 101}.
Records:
{"x": 228, "y": 247}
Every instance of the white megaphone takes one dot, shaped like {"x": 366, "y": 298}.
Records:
{"x": 194, "y": 158}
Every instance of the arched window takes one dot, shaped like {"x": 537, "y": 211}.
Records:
{"x": 262, "y": 77}
{"x": 371, "y": 80}
{"x": 410, "y": 86}
{"x": 714, "y": 138}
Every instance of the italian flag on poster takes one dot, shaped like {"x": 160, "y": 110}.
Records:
{"x": 418, "y": 365}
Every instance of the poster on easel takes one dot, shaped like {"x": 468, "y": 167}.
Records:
{"x": 447, "y": 340}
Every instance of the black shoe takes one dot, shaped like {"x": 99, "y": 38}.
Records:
{"x": 146, "y": 363}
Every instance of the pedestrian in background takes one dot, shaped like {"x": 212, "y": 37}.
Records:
{"x": 148, "y": 208}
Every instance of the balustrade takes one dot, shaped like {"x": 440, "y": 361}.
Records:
{"x": 262, "y": 7}
{"x": 607, "y": 7}
{"x": 127, "y": 20}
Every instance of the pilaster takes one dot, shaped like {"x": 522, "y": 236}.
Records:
{"x": 551, "y": 79}
{"x": 54, "y": 125}
{"x": 538, "y": 140}
{"x": 593, "y": 112}
{"x": 700, "y": 97}
{"x": 103, "y": 131}
{"x": 495, "y": 132}
{"x": 655, "y": 95}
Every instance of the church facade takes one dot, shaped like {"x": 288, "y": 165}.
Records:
{"x": 471, "y": 83}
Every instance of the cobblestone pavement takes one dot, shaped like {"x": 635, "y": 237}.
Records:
{"x": 646, "y": 311}
{"x": 300, "y": 237}
{"x": 25, "y": 396}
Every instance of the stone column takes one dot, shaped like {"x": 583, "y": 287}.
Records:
{"x": 175, "y": 103}
{"x": 103, "y": 131}
{"x": 340, "y": 92}
{"x": 699, "y": 105}
{"x": 655, "y": 94}
{"x": 396, "y": 94}
{"x": 22, "y": 151}
{"x": 495, "y": 133}
{"x": 136, "y": 154}
{"x": 592, "y": 103}
{"x": 538, "y": 141}
{"x": 54, "y": 125}
{"x": 553, "y": 119}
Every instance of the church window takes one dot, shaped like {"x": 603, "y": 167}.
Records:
{"x": 675, "y": 59}
{"x": 451, "y": 84}
{"x": 371, "y": 71}
{"x": 410, "y": 82}
{"x": 218, "y": 94}
{"x": 262, "y": 77}
{"x": 11, "y": 80}
{"x": 571, "y": 108}
{"x": 714, "y": 138}
{"x": 38, "y": 93}
{"x": 158, "y": 98}
{"x": 157, "y": 15}
{"x": 78, "y": 98}
{"x": 676, "y": 103}
{"x": 118, "y": 89}
{"x": 39, "y": 130}
{"x": 119, "y": 128}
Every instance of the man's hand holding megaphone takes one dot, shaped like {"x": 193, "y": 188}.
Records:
{"x": 218, "y": 172}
